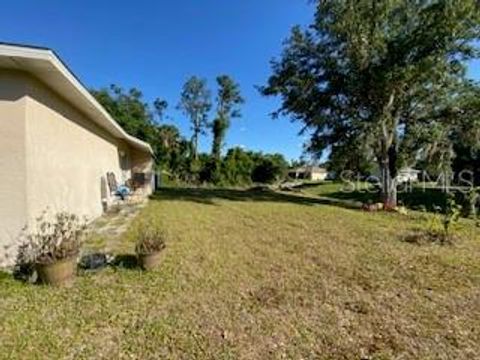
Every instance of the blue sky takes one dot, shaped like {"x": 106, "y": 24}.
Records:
{"x": 156, "y": 45}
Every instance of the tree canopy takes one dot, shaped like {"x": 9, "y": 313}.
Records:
{"x": 174, "y": 154}
{"x": 128, "y": 109}
{"x": 196, "y": 103}
{"x": 383, "y": 75}
{"x": 228, "y": 101}
{"x": 137, "y": 118}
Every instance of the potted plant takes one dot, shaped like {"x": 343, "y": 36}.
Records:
{"x": 150, "y": 243}
{"x": 53, "y": 247}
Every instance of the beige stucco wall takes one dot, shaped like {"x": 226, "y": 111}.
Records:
{"x": 142, "y": 162}
{"x": 13, "y": 202}
{"x": 67, "y": 156}
{"x": 53, "y": 157}
{"x": 318, "y": 176}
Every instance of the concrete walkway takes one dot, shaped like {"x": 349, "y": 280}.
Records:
{"x": 106, "y": 230}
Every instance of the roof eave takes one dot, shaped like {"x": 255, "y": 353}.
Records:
{"x": 97, "y": 112}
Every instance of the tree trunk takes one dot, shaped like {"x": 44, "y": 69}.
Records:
{"x": 388, "y": 155}
{"x": 217, "y": 134}
{"x": 389, "y": 189}
{"x": 195, "y": 145}
{"x": 388, "y": 168}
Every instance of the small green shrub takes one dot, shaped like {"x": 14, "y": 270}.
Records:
{"x": 470, "y": 203}
{"x": 453, "y": 212}
{"x": 441, "y": 226}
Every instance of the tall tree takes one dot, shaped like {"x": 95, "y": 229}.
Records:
{"x": 128, "y": 109}
{"x": 351, "y": 159}
{"x": 160, "y": 107}
{"x": 466, "y": 137}
{"x": 228, "y": 101}
{"x": 269, "y": 168}
{"x": 167, "y": 137}
{"x": 137, "y": 118}
{"x": 380, "y": 72}
{"x": 237, "y": 167}
{"x": 196, "y": 103}
{"x": 167, "y": 145}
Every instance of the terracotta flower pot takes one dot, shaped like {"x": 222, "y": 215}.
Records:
{"x": 149, "y": 261}
{"x": 60, "y": 273}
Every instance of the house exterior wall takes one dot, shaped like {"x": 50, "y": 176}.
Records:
{"x": 142, "y": 162}
{"x": 308, "y": 174}
{"x": 67, "y": 156}
{"x": 318, "y": 176}
{"x": 407, "y": 175}
{"x": 13, "y": 202}
{"x": 53, "y": 158}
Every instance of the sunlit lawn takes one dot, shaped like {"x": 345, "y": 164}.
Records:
{"x": 259, "y": 275}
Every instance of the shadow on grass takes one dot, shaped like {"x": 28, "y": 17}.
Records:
{"x": 125, "y": 261}
{"x": 362, "y": 196}
{"x": 416, "y": 198}
{"x": 88, "y": 263}
{"x": 210, "y": 196}
{"x": 413, "y": 197}
{"x": 98, "y": 261}
{"x": 5, "y": 275}
{"x": 364, "y": 193}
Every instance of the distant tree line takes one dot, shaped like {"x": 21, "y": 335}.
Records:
{"x": 177, "y": 157}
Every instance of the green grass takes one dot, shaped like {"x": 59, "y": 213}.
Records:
{"x": 414, "y": 197}
{"x": 259, "y": 275}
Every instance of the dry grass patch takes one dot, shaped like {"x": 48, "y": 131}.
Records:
{"x": 259, "y": 275}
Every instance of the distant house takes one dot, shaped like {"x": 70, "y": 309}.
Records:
{"x": 312, "y": 173}
{"x": 408, "y": 175}
{"x": 58, "y": 144}
{"x": 404, "y": 175}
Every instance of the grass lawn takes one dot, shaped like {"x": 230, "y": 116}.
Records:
{"x": 258, "y": 275}
{"x": 413, "y": 197}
